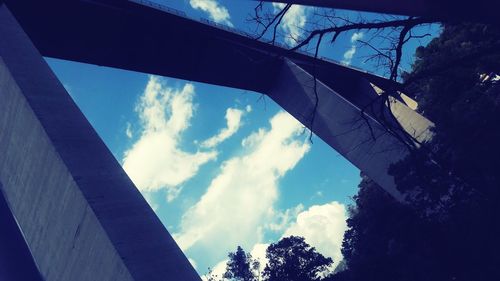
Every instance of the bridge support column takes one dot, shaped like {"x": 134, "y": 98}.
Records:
{"x": 81, "y": 216}
{"x": 341, "y": 125}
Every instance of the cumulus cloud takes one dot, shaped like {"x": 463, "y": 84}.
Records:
{"x": 233, "y": 120}
{"x": 240, "y": 199}
{"x": 284, "y": 218}
{"x": 216, "y": 11}
{"x": 293, "y": 22}
{"x": 356, "y": 36}
{"x": 323, "y": 227}
{"x": 155, "y": 160}
{"x": 349, "y": 54}
{"x": 217, "y": 271}
{"x": 151, "y": 201}
{"x": 259, "y": 252}
{"x": 128, "y": 130}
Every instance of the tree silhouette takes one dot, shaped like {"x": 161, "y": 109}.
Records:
{"x": 292, "y": 259}
{"x": 241, "y": 266}
{"x": 449, "y": 228}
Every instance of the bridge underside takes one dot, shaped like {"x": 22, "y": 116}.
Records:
{"x": 442, "y": 10}
{"x": 79, "y": 214}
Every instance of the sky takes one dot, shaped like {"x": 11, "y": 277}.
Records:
{"x": 221, "y": 167}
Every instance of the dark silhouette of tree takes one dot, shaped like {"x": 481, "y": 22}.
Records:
{"x": 449, "y": 227}
{"x": 241, "y": 266}
{"x": 292, "y": 259}
{"x": 387, "y": 240}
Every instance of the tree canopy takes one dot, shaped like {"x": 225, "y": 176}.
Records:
{"x": 241, "y": 266}
{"x": 449, "y": 227}
{"x": 293, "y": 259}
{"x": 290, "y": 259}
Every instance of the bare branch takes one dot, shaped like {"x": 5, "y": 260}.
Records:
{"x": 277, "y": 18}
{"x": 337, "y": 30}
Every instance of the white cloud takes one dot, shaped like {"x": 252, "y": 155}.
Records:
{"x": 239, "y": 200}
{"x": 293, "y": 22}
{"x": 128, "y": 130}
{"x": 217, "y": 271}
{"x": 349, "y": 54}
{"x": 173, "y": 192}
{"x": 233, "y": 119}
{"x": 149, "y": 198}
{"x": 155, "y": 160}
{"x": 284, "y": 218}
{"x": 248, "y": 108}
{"x": 323, "y": 227}
{"x": 259, "y": 252}
{"x": 217, "y": 12}
{"x": 356, "y": 36}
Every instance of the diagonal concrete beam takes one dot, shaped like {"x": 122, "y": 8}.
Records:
{"x": 442, "y": 10}
{"x": 340, "y": 124}
{"x": 138, "y": 36}
{"x": 81, "y": 216}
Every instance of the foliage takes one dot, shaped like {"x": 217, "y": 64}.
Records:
{"x": 241, "y": 266}
{"x": 387, "y": 240}
{"x": 466, "y": 112}
{"x": 292, "y": 259}
{"x": 449, "y": 228}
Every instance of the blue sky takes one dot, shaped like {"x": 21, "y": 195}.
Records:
{"x": 221, "y": 167}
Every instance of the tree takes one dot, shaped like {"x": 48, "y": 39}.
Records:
{"x": 292, "y": 259}
{"x": 241, "y": 266}
{"x": 386, "y": 240}
{"x": 449, "y": 228}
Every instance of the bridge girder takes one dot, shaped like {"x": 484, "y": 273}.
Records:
{"x": 441, "y": 10}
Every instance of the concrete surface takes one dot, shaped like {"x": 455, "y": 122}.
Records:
{"x": 81, "y": 216}
{"x": 339, "y": 123}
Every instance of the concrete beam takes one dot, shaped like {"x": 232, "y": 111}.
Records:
{"x": 134, "y": 36}
{"x": 81, "y": 216}
{"x": 339, "y": 123}
{"x": 442, "y": 10}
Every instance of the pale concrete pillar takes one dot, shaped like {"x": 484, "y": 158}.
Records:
{"x": 80, "y": 214}
{"x": 340, "y": 123}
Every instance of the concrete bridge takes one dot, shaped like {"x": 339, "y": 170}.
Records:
{"x": 78, "y": 215}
